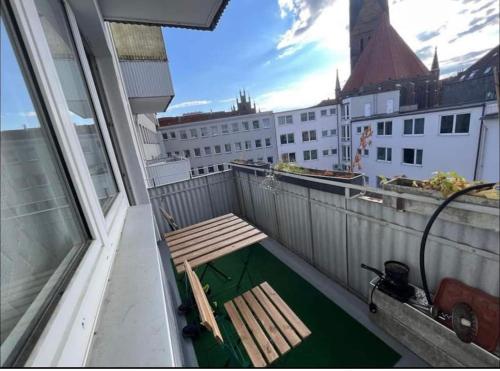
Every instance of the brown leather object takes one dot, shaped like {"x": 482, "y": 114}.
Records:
{"x": 485, "y": 306}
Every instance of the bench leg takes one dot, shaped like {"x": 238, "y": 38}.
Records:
{"x": 245, "y": 268}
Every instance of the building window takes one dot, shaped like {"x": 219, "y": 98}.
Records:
{"x": 326, "y": 152}
{"x": 334, "y": 151}
{"x": 217, "y": 149}
{"x": 384, "y": 154}
{"x": 366, "y": 152}
{"x": 169, "y": 154}
{"x": 358, "y": 130}
{"x": 311, "y": 155}
{"x": 165, "y": 136}
{"x": 211, "y": 169}
{"x": 287, "y": 138}
{"x": 193, "y": 133}
{"x": 324, "y": 133}
{"x": 268, "y": 142}
{"x": 333, "y": 132}
{"x": 303, "y": 117}
{"x": 183, "y": 134}
{"x": 215, "y": 130}
{"x": 177, "y": 153}
{"x": 324, "y": 112}
{"x": 413, "y": 127}
{"x": 368, "y": 109}
{"x": 346, "y": 153}
{"x": 256, "y": 124}
{"x": 288, "y": 157}
{"x": 345, "y": 111}
{"x": 204, "y": 132}
{"x": 455, "y": 124}
{"x": 258, "y": 143}
{"x": 412, "y": 156}
{"x": 245, "y": 125}
{"x": 201, "y": 170}
{"x": 266, "y": 123}
{"x": 173, "y": 135}
{"x": 187, "y": 153}
{"x": 197, "y": 152}
{"x": 208, "y": 151}
{"x": 308, "y": 136}
{"x": 311, "y": 116}
{"x": 235, "y": 127}
{"x": 225, "y": 129}
{"x": 384, "y": 128}
{"x": 237, "y": 146}
{"x": 220, "y": 167}
{"x": 390, "y": 106}
{"x": 248, "y": 145}
{"x": 346, "y": 132}
{"x": 333, "y": 111}
{"x": 227, "y": 148}
{"x": 270, "y": 159}
{"x": 42, "y": 232}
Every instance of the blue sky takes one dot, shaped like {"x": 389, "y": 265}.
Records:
{"x": 285, "y": 52}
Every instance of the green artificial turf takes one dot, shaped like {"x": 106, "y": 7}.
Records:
{"x": 337, "y": 340}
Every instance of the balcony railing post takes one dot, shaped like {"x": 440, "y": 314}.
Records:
{"x": 210, "y": 197}
{"x": 251, "y": 200}
{"x": 309, "y": 207}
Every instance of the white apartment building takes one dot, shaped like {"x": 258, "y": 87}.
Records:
{"x": 81, "y": 277}
{"x": 211, "y": 145}
{"x": 309, "y": 137}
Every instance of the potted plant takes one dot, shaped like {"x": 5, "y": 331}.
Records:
{"x": 336, "y": 176}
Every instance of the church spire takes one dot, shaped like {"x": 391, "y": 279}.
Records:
{"x": 337, "y": 86}
{"x": 435, "y": 63}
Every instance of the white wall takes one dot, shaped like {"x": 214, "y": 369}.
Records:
{"x": 489, "y": 155}
{"x": 452, "y": 152}
{"x": 319, "y": 124}
{"x": 167, "y": 172}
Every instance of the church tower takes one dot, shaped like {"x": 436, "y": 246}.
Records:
{"x": 364, "y": 19}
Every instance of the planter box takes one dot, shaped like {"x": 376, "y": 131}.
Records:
{"x": 256, "y": 165}
{"x": 405, "y": 185}
{"x": 342, "y": 177}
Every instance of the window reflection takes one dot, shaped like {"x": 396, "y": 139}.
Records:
{"x": 59, "y": 38}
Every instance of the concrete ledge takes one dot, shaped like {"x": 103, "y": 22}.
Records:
{"x": 133, "y": 329}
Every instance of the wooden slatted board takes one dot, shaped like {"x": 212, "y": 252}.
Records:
{"x": 204, "y": 242}
{"x": 266, "y": 325}
{"x": 206, "y": 314}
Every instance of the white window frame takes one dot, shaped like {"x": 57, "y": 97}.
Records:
{"x": 385, "y": 128}
{"x": 64, "y": 338}
{"x": 454, "y": 133}
{"x": 413, "y": 120}
{"x": 385, "y": 160}
{"x": 414, "y": 157}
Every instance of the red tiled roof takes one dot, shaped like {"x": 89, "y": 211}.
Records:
{"x": 386, "y": 57}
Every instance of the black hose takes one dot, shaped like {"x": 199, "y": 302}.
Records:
{"x": 429, "y": 226}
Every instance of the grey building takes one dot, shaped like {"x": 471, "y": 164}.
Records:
{"x": 212, "y": 140}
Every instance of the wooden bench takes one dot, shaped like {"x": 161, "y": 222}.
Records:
{"x": 207, "y": 317}
{"x": 266, "y": 325}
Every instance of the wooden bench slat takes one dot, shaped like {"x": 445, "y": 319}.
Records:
{"x": 197, "y": 225}
{"x": 276, "y": 316}
{"x": 184, "y": 233}
{"x": 299, "y": 326}
{"x": 208, "y": 238}
{"x": 207, "y": 234}
{"x": 267, "y": 323}
{"x": 241, "y": 235}
{"x": 248, "y": 343}
{"x": 206, "y": 314}
{"x": 262, "y": 341}
{"x": 224, "y": 251}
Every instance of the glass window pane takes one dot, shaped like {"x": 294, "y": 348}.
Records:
{"x": 381, "y": 153}
{"x": 41, "y": 230}
{"x": 408, "y": 128}
{"x": 380, "y": 128}
{"x": 291, "y": 138}
{"x": 419, "y": 126}
{"x": 283, "y": 139}
{"x": 408, "y": 156}
{"x": 420, "y": 154}
{"x": 462, "y": 124}
{"x": 447, "y": 124}
{"x": 388, "y": 128}
{"x": 389, "y": 154}
{"x": 58, "y": 35}
{"x": 313, "y": 134}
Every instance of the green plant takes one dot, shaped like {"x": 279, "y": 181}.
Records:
{"x": 445, "y": 182}
{"x": 290, "y": 168}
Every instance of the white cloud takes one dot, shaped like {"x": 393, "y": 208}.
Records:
{"x": 28, "y": 114}
{"x": 192, "y": 103}
{"x": 308, "y": 91}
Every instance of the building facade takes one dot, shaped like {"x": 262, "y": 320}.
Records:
{"x": 211, "y": 143}
{"x": 309, "y": 137}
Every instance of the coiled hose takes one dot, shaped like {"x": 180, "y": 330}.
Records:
{"x": 429, "y": 226}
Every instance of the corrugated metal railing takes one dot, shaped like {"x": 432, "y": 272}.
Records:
{"x": 195, "y": 200}
{"x": 336, "y": 233}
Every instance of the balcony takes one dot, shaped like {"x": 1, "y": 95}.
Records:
{"x": 317, "y": 242}
{"x": 167, "y": 170}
